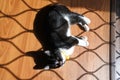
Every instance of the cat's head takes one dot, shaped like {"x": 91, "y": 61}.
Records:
{"x": 55, "y": 60}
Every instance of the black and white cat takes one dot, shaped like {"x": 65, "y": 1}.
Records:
{"x": 56, "y": 37}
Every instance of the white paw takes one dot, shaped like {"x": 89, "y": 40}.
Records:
{"x": 87, "y": 44}
{"x": 83, "y": 42}
{"x": 86, "y": 27}
{"x": 87, "y": 20}
{"x": 84, "y": 38}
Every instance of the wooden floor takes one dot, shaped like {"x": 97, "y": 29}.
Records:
{"x": 17, "y": 39}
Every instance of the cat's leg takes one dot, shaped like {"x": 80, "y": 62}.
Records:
{"x": 80, "y": 20}
{"x": 82, "y": 41}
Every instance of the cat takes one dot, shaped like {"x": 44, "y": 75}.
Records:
{"x": 52, "y": 28}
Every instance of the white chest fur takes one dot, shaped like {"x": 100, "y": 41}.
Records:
{"x": 68, "y": 21}
{"x": 67, "y": 52}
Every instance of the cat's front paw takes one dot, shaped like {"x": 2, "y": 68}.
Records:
{"x": 86, "y": 43}
{"x": 84, "y": 22}
{"x": 86, "y": 27}
{"x": 83, "y": 41}
{"x": 87, "y": 20}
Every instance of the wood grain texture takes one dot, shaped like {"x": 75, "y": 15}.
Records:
{"x": 17, "y": 38}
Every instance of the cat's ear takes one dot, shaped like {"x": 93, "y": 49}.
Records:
{"x": 36, "y": 67}
{"x": 47, "y": 52}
